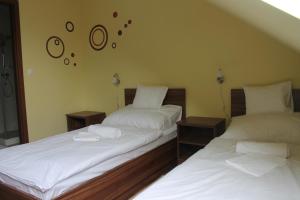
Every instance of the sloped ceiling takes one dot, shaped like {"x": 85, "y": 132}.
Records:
{"x": 271, "y": 20}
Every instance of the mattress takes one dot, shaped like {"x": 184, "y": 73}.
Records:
{"x": 206, "y": 176}
{"x": 86, "y": 175}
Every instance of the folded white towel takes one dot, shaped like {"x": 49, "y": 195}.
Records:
{"x": 256, "y": 165}
{"x": 105, "y": 131}
{"x": 86, "y": 137}
{"x": 274, "y": 149}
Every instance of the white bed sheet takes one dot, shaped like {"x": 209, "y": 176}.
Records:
{"x": 44, "y": 163}
{"x": 97, "y": 170}
{"x": 206, "y": 176}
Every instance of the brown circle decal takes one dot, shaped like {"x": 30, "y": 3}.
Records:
{"x": 66, "y": 61}
{"x": 120, "y": 32}
{"x": 55, "y": 47}
{"x": 69, "y": 26}
{"x": 98, "y": 37}
{"x": 115, "y": 14}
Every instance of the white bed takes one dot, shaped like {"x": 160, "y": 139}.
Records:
{"x": 95, "y": 171}
{"x": 207, "y": 176}
{"x": 50, "y": 167}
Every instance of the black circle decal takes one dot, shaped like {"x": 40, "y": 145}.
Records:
{"x": 55, "y": 47}
{"x": 98, "y": 37}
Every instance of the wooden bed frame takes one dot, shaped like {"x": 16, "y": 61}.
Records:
{"x": 127, "y": 179}
{"x": 238, "y": 102}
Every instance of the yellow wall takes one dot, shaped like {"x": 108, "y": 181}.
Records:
{"x": 172, "y": 42}
{"x": 53, "y": 89}
{"x": 182, "y": 44}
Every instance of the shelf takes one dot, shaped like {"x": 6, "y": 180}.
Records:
{"x": 194, "y": 133}
{"x": 193, "y": 139}
{"x": 186, "y": 151}
{"x": 182, "y": 159}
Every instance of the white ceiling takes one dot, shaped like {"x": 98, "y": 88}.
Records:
{"x": 271, "y": 20}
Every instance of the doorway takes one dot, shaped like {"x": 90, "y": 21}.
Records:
{"x": 13, "y": 123}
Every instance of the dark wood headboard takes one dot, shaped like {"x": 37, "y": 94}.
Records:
{"x": 174, "y": 96}
{"x": 238, "y": 102}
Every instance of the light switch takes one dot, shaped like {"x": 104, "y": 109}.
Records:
{"x": 29, "y": 71}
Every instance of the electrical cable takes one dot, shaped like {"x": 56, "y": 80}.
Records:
{"x": 223, "y": 104}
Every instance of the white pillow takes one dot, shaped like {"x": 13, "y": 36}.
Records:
{"x": 264, "y": 148}
{"x": 149, "y": 97}
{"x": 269, "y": 127}
{"x": 270, "y": 98}
{"x": 161, "y": 119}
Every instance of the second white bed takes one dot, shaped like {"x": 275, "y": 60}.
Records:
{"x": 207, "y": 176}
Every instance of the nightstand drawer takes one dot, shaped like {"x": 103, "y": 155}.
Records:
{"x": 95, "y": 119}
{"x": 85, "y": 118}
{"x": 74, "y": 124}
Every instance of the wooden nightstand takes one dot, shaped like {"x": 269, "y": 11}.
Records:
{"x": 83, "y": 119}
{"x": 196, "y": 132}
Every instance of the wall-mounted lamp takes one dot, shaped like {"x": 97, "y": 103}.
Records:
{"x": 116, "y": 79}
{"x": 220, "y": 76}
{"x": 116, "y": 82}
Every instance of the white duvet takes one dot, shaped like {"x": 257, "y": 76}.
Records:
{"x": 44, "y": 163}
{"x": 207, "y": 176}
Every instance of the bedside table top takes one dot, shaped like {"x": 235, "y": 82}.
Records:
{"x": 84, "y": 114}
{"x": 209, "y": 122}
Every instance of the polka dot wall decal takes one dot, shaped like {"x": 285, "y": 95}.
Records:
{"x": 56, "y": 42}
{"x": 115, "y": 14}
{"x": 98, "y": 37}
{"x": 120, "y": 32}
{"x": 69, "y": 26}
{"x": 66, "y": 61}
{"x": 55, "y": 47}
{"x": 75, "y": 64}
